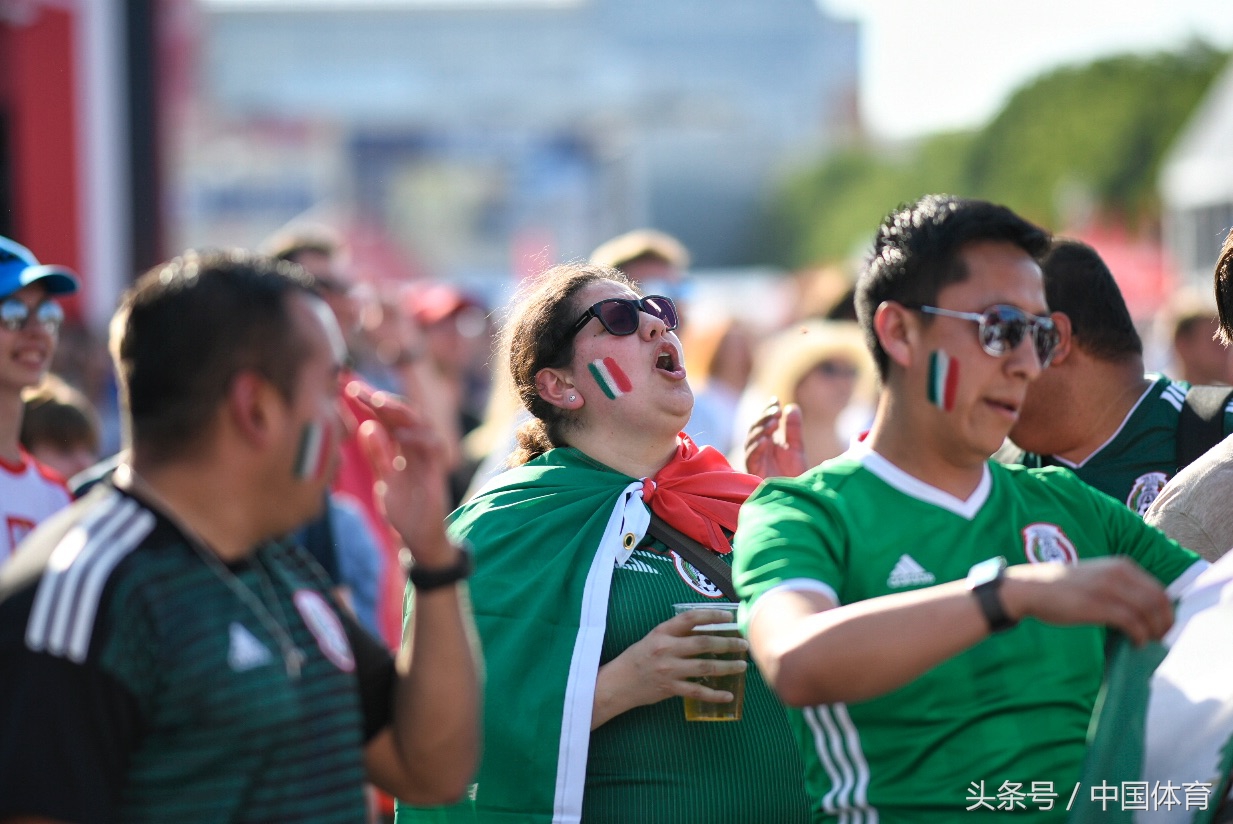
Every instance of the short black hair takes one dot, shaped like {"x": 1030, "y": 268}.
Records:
{"x": 917, "y": 249}
{"x": 187, "y": 327}
{"x": 1224, "y": 289}
{"x": 1080, "y": 285}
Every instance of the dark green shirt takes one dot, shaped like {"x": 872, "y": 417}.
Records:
{"x": 1142, "y": 455}
{"x": 141, "y": 683}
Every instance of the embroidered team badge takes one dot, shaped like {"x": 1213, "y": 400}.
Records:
{"x": 699, "y": 582}
{"x": 1145, "y": 490}
{"x": 1047, "y": 543}
{"x": 325, "y": 626}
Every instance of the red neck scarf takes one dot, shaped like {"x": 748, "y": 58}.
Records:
{"x": 699, "y": 493}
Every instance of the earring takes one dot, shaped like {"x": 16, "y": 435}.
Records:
{"x": 573, "y": 398}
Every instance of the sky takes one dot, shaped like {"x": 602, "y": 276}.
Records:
{"x": 936, "y": 65}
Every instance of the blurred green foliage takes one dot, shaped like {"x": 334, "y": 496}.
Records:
{"x": 1076, "y": 140}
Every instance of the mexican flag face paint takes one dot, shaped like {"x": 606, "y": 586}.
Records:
{"x": 611, "y": 379}
{"x": 943, "y": 380}
{"x": 313, "y": 456}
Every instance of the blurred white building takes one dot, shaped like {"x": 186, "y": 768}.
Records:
{"x": 477, "y": 134}
{"x": 1196, "y": 185}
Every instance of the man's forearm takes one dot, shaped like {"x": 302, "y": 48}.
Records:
{"x": 437, "y": 704}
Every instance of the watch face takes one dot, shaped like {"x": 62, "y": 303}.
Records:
{"x": 986, "y": 571}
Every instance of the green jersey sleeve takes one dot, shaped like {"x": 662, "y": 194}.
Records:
{"x": 790, "y": 529}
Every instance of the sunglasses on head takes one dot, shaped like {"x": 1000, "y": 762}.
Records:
{"x": 620, "y": 316}
{"x": 15, "y": 314}
{"x": 1001, "y": 328}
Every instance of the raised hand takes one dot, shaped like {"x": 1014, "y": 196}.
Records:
{"x": 407, "y": 456}
{"x": 774, "y": 446}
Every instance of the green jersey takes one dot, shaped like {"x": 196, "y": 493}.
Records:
{"x": 564, "y": 582}
{"x": 999, "y": 727}
{"x": 1141, "y": 457}
{"x": 142, "y": 684}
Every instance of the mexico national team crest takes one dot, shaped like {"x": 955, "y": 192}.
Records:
{"x": 326, "y": 628}
{"x": 1145, "y": 490}
{"x": 1046, "y": 544}
{"x": 694, "y": 578}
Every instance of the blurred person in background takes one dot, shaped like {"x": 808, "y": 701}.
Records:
{"x": 457, "y": 342}
{"x": 822, "y": 368}
{"x": 1197, "y": 349}
{"x": 824, "y": 293}
{"x": 655, "y": 260}
{"x": 489, "y": 447}
{"x": 719, "y": 362}
{"x": 60, "y": 427}
{"x": 1094, "y": 410}
{"x": 574, "y": 594}
{"x": 30, "y": 319}
{"x": 81, "y": 360}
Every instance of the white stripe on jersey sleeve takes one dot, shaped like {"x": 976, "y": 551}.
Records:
{"x": 67, "y": 601}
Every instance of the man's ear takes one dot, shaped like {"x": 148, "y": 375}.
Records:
{"x": 896, "y": 331}
{"x": 1065, "y": 338}
{"x": 248, "y": 407}
{"x": 557, "y": 387}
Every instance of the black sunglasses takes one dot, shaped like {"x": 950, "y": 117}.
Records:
{"x": 620, "y": 316}
{"x": 1001, "y": 328}
{"x": 15, "y": 314}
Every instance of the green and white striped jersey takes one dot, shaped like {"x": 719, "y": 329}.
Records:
{"x": 139, "y": 687}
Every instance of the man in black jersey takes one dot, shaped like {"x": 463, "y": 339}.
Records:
{"x": 165, "y": 657}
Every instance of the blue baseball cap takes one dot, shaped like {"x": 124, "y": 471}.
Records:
{"x": 19, "y": 268}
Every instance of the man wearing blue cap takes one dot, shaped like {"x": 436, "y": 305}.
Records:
{"x": 30, "y": 319}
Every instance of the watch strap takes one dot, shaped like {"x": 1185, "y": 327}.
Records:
{"x": 985, "y": 582}
{"x": 429, "y": 579}
{"x": 990, "y": 600}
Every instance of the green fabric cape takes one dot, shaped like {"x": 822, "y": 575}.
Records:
{"x": 546, "y": 537}
{"x": 1165, "y": 717}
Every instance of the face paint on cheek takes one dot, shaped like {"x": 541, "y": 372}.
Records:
{"x": 943, "y": 380}
{"x": 611, "y": 379}
{"x": 313, "y": 456}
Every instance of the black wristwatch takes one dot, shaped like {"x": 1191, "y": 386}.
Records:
{"x": 428, "y": 579}
{"x": 984, "y": 580}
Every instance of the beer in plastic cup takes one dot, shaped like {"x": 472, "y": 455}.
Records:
{"x": 696, "y": 710}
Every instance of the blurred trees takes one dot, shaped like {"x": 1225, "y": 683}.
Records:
{"x": 1076, "y": 141}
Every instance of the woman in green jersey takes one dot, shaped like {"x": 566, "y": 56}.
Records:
{"x": 586, "y": 665}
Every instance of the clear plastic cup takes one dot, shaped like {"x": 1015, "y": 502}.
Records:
{"x": 696, "y": 710}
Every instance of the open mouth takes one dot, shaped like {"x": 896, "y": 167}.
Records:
{"x": 667, "y": 360}
{"x": 31, "y": 357}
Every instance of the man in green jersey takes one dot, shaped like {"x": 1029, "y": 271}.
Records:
{"x": 165, "y": 655}
{"x": 1094, "y": 410}
{"x": 922, "y": 696}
